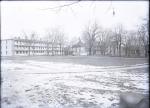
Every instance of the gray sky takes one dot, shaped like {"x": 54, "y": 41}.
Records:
{"x": 18, "y": 16}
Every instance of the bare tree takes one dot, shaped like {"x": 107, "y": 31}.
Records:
{"x": 51, "y": 40}
{"x": 89, "y": 36}
{"x": 131, "y": 44}
{"x": 103, "y": 41}
{"x": 127, "y": 44}
{"x": 111, "y": 43}
{"x": 30, "y": 41}
{"x": 61, "y": 39}
{"x": 119, "y": 33}
{"x": 54, "y": 38}
{"x": 144, "y": 37}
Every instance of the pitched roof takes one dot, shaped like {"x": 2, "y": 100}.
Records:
{"x": 78, "y": 44}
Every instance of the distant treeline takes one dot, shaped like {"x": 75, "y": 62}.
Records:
{"x": 99, "y": 41}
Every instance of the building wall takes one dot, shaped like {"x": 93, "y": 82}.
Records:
{"x": 26, "y": 48}
{"x": 7, "y": 47}
{"x": 22, "y": 47}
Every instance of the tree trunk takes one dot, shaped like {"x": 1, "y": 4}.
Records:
{"x": 47, "y": 50}
{"x": 146, "y": 50}
{"x": 52, "y": 50}
{"x": 29, "y": 50}
{"x": 120, "y": 50}
{"x": 60, "y": 49}
{"x": 90, "y": 50}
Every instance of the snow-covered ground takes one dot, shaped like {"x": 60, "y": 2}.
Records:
{"x": 36, "y": 84}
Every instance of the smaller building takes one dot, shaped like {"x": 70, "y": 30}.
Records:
{"x": 79, "y": 49}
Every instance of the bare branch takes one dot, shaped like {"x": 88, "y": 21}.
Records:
{"x": 110, "y": 6}
{"x": 61, "y": 6}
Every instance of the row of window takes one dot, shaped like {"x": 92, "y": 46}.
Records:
{"x": 27, "y": 42}
{"x": 23, "y": 44}
{"x": 34, "y": 47}
{"x": 23, "y": 47}
{"x": 27, "y": 52}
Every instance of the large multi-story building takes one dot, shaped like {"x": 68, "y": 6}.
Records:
{"x": 25, "y": 47}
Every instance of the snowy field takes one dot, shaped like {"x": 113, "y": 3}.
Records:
{"x": 72, "y": 83}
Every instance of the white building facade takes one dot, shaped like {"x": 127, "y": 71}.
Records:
{"x": 24, "y": 47}
{"x": 7, "y": 47}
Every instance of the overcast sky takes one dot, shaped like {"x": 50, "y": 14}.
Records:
{"x": 19, "y": 16}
